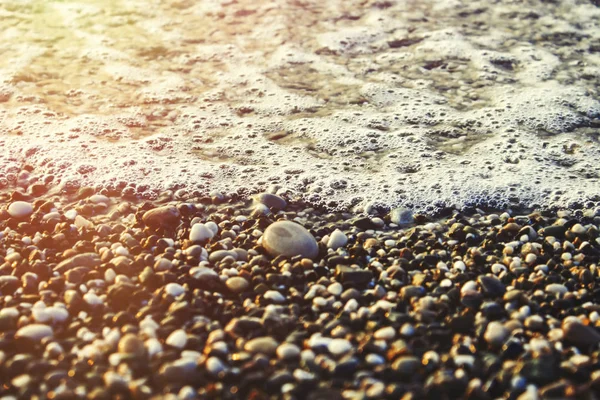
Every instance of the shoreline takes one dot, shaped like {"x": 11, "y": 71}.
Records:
{"x": 134, "y": 302}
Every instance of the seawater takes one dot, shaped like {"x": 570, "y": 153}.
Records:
{"x": 346, "y": 103}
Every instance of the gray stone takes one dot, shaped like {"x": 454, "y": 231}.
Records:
{"x": 289, "y": 239}
{"x": 401, "y": 216}
{"x": 492, "y": 286}
{"x": 581, "y": 335}
{"x": 270, "y": 200}
{"x": 161, "y": 216}
{"x": 237, "y": 284}
{"x": 406, "y": 365}
{"x": 265, "y": 345}
{"x": 89, "y": 260}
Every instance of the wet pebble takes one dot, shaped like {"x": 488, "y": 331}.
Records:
{"x": 289, "y": 239}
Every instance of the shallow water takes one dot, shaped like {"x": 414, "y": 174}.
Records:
{"x": 348, "y": 103}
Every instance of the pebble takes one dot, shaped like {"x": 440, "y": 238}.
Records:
{"x": 98, "y": 198}
{"x": 495, "y": 334}
{"x": 337, "y": 239}
{"x": 289, "y": 239}
{"x": 335, "y": 289}
{"x": 35, "y": 332}
{"x": 165, "y": 216}
{"x": 338, "y": 347}
{"x": 556, "y": 288}
{"x": 386, "y": 333}
{"x": 20, "y": 209}
{"x": 580, "y": 335}
{"x": 174, "y": 289}
{"x": 177, "y": 338}
{"x": 406, "y": 365}
{"x": 163, "y": 264}
{"x": 93, "y": 299}
{"x": 401, "y": 216}
{"x": 492, "y": 286}
{"x": 288, "y": 351}
{"x": 237, "y": 284}
{"x": 215, "y": 366}
{"x": 200, "y": 233}
{"x": 264, "y": 345}
{"x": 131, "y": 344}
{"x": 274, "y": 296}
{"x": 270, "y": 200}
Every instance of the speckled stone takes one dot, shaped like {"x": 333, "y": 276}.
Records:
{"x": 289, "y": 239}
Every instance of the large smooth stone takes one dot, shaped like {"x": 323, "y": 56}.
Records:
{"x": 35, "y": 332}
{"x": 20, "y": 209}
{"x": 289, "y": 239}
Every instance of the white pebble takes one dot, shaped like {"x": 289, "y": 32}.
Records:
{"x": 35, "y": 331}
{"x": 177, "y": 339}
{"x": 495, "y": 333}
{"x": 337, "y": 239}
{"x": 81, "y": 222}
{"x": 98, "y": 198}
{"x": 386, "y": 333}
{"x": 274, "y": 296}
{"x": 374, "y": 359}
{"x": 530, "y": 258}
{"x": 92, "y": 299}
{"x": 351, "y": 306}
{"x": 287, "y": 351}
{"x": 153, "y": 346}
{"x": 174, "y": 289}
{"x": 110, "y": 275}
{"x": 200, "y": 232}
{"x": 338, "y": 347}
{"x": 214, "y": 365}
{"x": 214, "y": 228}
{"x": 556, "y": 288}
{"x": 121, "y": 251}
{"x": 464, "y": 359}
{"x": 407, "y": 330}
{"x": 302, "y": 376}
{"x": 468, "y": 287}
{"x": 497, "y": 268}
{"x": 71, "y": 214}
{"x": 20, "y": 209}
{"x": 578, "y": 229}
{"x": 335, "y": 288}
{"x": 459, "y": 265}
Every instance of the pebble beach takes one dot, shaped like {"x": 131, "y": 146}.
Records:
{"x": 263, "y": 298}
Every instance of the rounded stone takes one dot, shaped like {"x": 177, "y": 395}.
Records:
{"x": 495, "y": 334}
{"x": 285, "y": 238}
{"x": 271, "y": 201}
{"x": 131, "y": 344}
{"x": 288, "y": 351}
{"x": 35, "y": 332}
{"x": 237, "y": 284}
{"x": 161, "y": 216}
{"x": 20, "y": 209}
{"x": 265, "y": 345}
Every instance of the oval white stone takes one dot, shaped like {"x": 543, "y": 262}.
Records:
{"x": 338, "y": 347}
{"x": 20, "y": 209}
{"x": 337, "y": 239}
{"x": 200, "y": 232}
{"x": 174, "y": 289}
{"x": 289, "y": 239}
{"x": 177, "y": 339}
{"x": 35, "y": 331}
